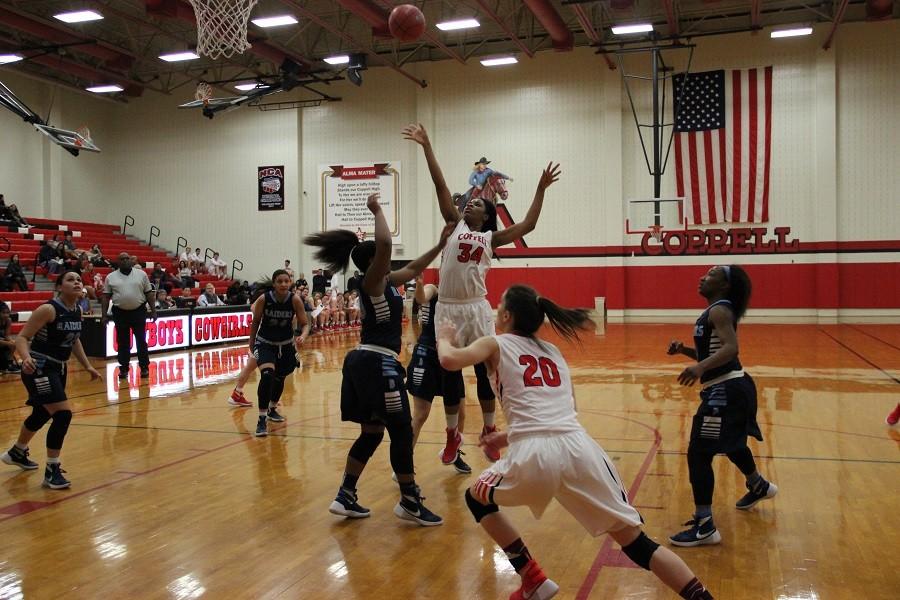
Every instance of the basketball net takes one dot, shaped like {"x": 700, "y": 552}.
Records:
{"x": 203, "y": 93}
{"x": 85, "y": 133}
{"x": 656, "y": 232}
{"x": 222, "y": 26}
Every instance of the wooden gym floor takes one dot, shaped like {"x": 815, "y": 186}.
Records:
{"x": 172, "y": 497}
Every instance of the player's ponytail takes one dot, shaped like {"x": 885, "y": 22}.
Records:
{"x": 490, "y": 210}
{"x": 528, "y": 311}
{"x": 337, "y": 246}
{"x": 739, "y": 290}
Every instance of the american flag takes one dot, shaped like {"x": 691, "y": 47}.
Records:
{"x": 723, "y": 144}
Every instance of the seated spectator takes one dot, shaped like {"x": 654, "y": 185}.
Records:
{"x": 196, "y": 261}
{"x": 84, "y": 303}
{"x": 287, "y": 267}
{"x": 209, "y": 297}
{"x": 185, "y": 255}
{"x": 185, "y": 273}
{"x": 14, "y": 276}
{"x": 69, "y": 244}
{"x": 45, "y": 255}
{"x": 11, "y": 213}
{"x": 301, "y": 280}
{"x": 163, "y": 302}
{"x": 185, "y": 300}
{"x": 96, "y": 257}
{"x": 136, "y": 263}
{"x": 235, "y": 294}
{"x": 8, "y": 362}
{"x": 57, "y": 264}
{"x": 216, "y": 266}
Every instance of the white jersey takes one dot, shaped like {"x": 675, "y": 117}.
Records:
{"x": 464, "y": 264}
{"x": 533, "y": 385}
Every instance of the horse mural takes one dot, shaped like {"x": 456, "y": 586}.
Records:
{"x": 494, "y": 187}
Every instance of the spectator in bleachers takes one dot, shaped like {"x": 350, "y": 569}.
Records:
{"x": 185, "y": 273}
{"x": 216, "y": 266}
{"x": 14, "y": 276}
{"x": 96, "y": 257}
{"x": 196, "y": 260}
{"x": 320, "y": 282}
{"x": 354, "y": 282}
{"x": 287, "y": 267}
{"x": 85, "y": 303}
{"x": 301, "y": 280}
{"x": 69, "y": 244}
{"x": 11, "y": 213}
{"x": 185, "y": 255}
{"x": 185, "y": 300}
{"x": 163, "y": 302}
{"x": 235, "y": 294}
{"x": 209, "y": 297}
{"x": 136, "y": 263}
{"x": 45, "y": 255}
{"x": 8, "y": 362}
{"x": 57, "y": 264}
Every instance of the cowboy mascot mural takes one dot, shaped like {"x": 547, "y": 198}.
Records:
{"x": 485, "y": 182}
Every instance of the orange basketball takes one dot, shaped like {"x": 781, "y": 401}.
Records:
{"x": 407, "y": 23}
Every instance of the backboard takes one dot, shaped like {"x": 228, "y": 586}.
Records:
{"x": 655, "y": 215}
{"x": 70, "y": 140}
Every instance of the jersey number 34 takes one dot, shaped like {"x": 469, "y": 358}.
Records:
{"x": 466, "y": 254}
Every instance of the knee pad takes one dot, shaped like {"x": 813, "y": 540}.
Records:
{"x": 641, "y": 550}
{"x": 37, "y": 419}
{"x": 479, "y": 510}
{"x": 264, "y": 389}
{"x": 58, "y": 428}
{"x": 483, "y": 382}
{"x": 365, "y": 445}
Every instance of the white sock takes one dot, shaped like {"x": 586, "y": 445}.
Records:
{"x": 52, "y": 460}
{"x": 488, "y": 419}
{"x": 453, "y": 421}
{"x": 20, "y": 446}
{"x": 239, "y": 389}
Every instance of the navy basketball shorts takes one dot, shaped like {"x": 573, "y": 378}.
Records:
{"x": 426, "y": 378}
{"x": 47, "y": 385}
{"x": 283, "y": 357}
{"x": 726, "y": 416}
{"x": 373, "y": 390}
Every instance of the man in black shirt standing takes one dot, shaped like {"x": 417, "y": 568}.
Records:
{"x": 319, "y": 282}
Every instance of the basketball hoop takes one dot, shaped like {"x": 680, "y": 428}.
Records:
{"x": 222, "y": 26}
{"x": 656, "y": 232}
{"x": 203, "y": 93}
{"x": 85, "y": 136}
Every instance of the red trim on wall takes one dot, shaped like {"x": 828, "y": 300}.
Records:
{"x": 822, "y": 286}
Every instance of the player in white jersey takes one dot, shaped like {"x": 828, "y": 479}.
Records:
{"x": 464, "y": 264}
{"x": 550, "y": 454}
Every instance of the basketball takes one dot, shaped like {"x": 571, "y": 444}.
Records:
{"x": 407, "y": 23}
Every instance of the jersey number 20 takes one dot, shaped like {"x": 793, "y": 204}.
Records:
{"x": 466, "y": 254}
{"x": 549, "y": 371}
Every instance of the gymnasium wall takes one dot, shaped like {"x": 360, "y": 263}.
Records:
{"x": 833, "y": 178}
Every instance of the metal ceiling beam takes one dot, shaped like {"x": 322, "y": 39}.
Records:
{"x": 509, "y": 32}
{"x": 671, "y": 19}
{"x": 585, "y": 21}
{"x": 562, "y": 37}
{"x": 755, "y": 8}
{"x": 838, "y": 17}
{"x": 16, "y": 69}
{"x": 350, "y": 40}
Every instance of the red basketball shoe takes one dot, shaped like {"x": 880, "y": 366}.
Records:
{"x": 893, "y": 418}
{"x": 237, "y": 399}
{"x": 535, "y": 585}
{"x": 454, "y": 439}
{"x": 492, "y": 453}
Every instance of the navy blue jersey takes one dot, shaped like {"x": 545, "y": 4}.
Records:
{"x": 427, "y": 337}
{"x": 382, "y": 318}
{"x": 56, "y": 338}
{"x": 277, "y": 317}
{"x": 707, "y": 342}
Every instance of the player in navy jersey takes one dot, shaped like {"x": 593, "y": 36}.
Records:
{"x": 275, "y": 344}
{"x": 47, "y": 341}
{"x": 373, "y": 393}
{"x": 464, "y": 266}
{"x": 727, "y": 413}
{"x": 550, "y": 455}
{"x": 426, "y": 379}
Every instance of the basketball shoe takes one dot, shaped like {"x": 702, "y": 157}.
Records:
{"x": 762, "y": 490}
{"x": 237, "y": 399}
{"x": 346, "y": 505}
{"x": 702, "y": 532}
{"x": 451, "y": 447}
{"x": 19, "y": 458}
{"x": 492, "y": 453}
{"x": 262, "y": 429}
{"x": 274, "y": 416}
{"x": 411, "y": 509}
{"x": 535, "y": 585}
{"x": 54, "y": 479}
{"x": 460, "y": 465}
{"x": 893, "y": 418}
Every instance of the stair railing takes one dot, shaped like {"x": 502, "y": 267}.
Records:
{"x": 129, "y": 222}
{"x": 154, "y": 232}
{"x": 235, "y": 267}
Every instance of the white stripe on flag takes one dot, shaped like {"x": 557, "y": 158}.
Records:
{"x": 760, "y": 145}
{"x": 745, "y": 144}
{"x": 729, "y": 146}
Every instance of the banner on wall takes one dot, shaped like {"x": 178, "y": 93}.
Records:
{"x": 345, "y": 188}
{"x": 270, "y": 187}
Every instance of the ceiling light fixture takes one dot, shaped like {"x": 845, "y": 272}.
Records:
{"x": 5, "y": 59}
{"x": 500, "y": 60}
{"x": 275, "y": 21}
{"x": 636, "y": 28}
{"x": 179, "y": 56}
{"x": 105, "y": 89}
{"x": 781, "y": 33}
{"x": 458, "y": 24}
{"x": 340, "y": 59}
{"x": 79, "y": 16}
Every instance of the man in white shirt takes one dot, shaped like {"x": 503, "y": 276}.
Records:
{"x": 129, "y": 291}
{"x": 216, "y": 266}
